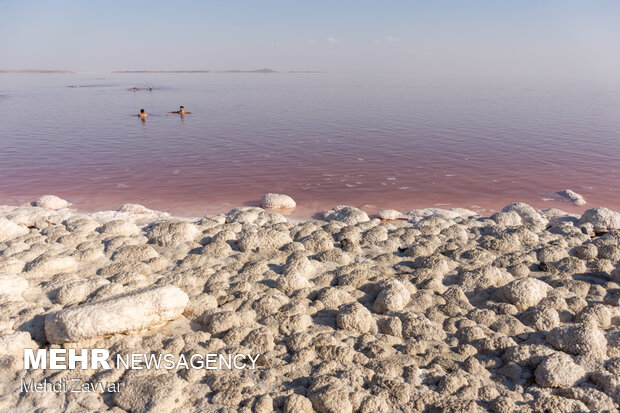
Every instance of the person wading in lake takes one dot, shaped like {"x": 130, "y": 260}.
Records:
{"x": 181, "y": 111}
{"x": 143, "y": 115}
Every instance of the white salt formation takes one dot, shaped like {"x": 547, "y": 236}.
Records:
{"x": 572, "y": 196}
{"x": 132, "y": 311}
{"x": 277, "y": 201}
{"x": 444, "y": 310}
{"x": 389, "y": 214}
{"x": 601, "y": 219}
{"x": 10, "y": 229}
{"x": 51, "y": 202}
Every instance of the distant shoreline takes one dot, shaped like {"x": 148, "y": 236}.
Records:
{"x": 216, "y": 71}
{"x": 31, "y": 71}
{"x": 36, "y": 71}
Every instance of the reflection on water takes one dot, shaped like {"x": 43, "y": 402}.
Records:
{"x": 380, "y": 141}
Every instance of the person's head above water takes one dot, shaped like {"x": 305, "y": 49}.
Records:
{"x": 141, "y": 110}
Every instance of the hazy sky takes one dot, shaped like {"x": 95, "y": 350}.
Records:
{"x": 553, "y": 39}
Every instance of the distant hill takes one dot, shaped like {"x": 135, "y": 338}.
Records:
{"x": 35, "y": 71}
{"x": 197, "y": 71}
{"x": 161, "y": 71}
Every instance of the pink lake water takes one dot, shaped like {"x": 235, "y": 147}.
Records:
{"x": 369, "y": 140}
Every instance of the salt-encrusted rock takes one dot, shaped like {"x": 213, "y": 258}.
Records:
{"x": 348, "y": 215}
{"x": 79, "y": 223}
{"x": 52, "y": 202}
{"x": 150, "y": 393}
{"x": 334, "y": 297}
{"x": 292, "y": 281}
{"x": 579, "y": 339}
{"x": 557, "y": 216}
{"x": 559, "y": 370}
{"x": 299, "y": 263}
{"x": 598, "y": 314}
{"x": 45, "y": 265}
{"x": 139, "y": 212}
{"x": 330, "y": 398}
{"x": 132, "y": 311}
{"x": 14, "y": 342}
{"x": 277, "y": 201}
{"x": 225, "y": 320}
{"x": 601, "y": 219}
{"x": 586, "y": 251}
{"x": 572, "y": 196}
{"x": 390, "y": 214}
{"x": 12, "y": 285}
{"x": 119, "y": 227}
{"x": 508, "y": 219}
{"x": 78, "y": 291}
{"x": 595, "y": 399}
{"x": 541, "y": 318}
{"x": 485, "y": 277}
{"x": 199, "y": 304}
{"x": 526, "y": 292}
{"x": 265, "y": 239}
{"x": 394, "y": 296}
{"x": 11, "y": 265}
{"x": 296, "y": 403}
{"x": 417, "y": 215}
{"x": 172, "y": 233}
{"x": 253, "y": 215}
{"x": 570, "y": 266}
{"x": 609, "y": 252}
{"x": 10, "y": 230}
{"x": 355, "y": 317}
{"x": 527, "y": 213}
{"x": 135, "y": 253}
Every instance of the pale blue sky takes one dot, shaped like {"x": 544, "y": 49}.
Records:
{"x": 543, "y": 39}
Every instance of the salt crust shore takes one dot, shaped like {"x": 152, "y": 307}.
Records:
{"x": 433, "y": 311}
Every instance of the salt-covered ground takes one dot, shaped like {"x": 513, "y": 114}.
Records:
{"x": 430, "y": 310}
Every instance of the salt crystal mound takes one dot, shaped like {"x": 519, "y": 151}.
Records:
{"x": 389, "y": 214}
{"x": 10, "y": 230}
{"x": 601, "y": 219}
{"x": 172, "y": 233}
{"x": 52, "y": 202}
{"x": 572, "y": 196}
{"x": 416, "y": 215}
{"x": 559, "y": 370}
{"x": 12, "y": 285}
{"x": 33, "y": 216}
{"x": 132, "y": 311}
{"x": 14, "y": 342}
{"x": 529, "y": 216}
{"x": 134, "y": 213}
{"x": 348, "y": 215}
{"x": 253, "y": 215}
{"x": 277, "y": 201}
{"x": 526, "y": 292}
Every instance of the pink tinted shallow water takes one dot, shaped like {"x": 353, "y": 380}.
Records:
{"x": 374, "y": 141}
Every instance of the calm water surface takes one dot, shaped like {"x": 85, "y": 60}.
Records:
{"x": 369, "y": 140}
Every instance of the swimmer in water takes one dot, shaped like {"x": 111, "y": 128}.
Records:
{"x": 181, "y": 111}
{"x": 143, "y": 115}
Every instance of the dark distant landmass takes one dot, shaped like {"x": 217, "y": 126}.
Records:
{"x": 35, "y": 71}
{"x": 161, "y": 71}
{"x": 197, "y": 71}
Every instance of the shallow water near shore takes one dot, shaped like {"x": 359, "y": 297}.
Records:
{"x": 369, "y": 140}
